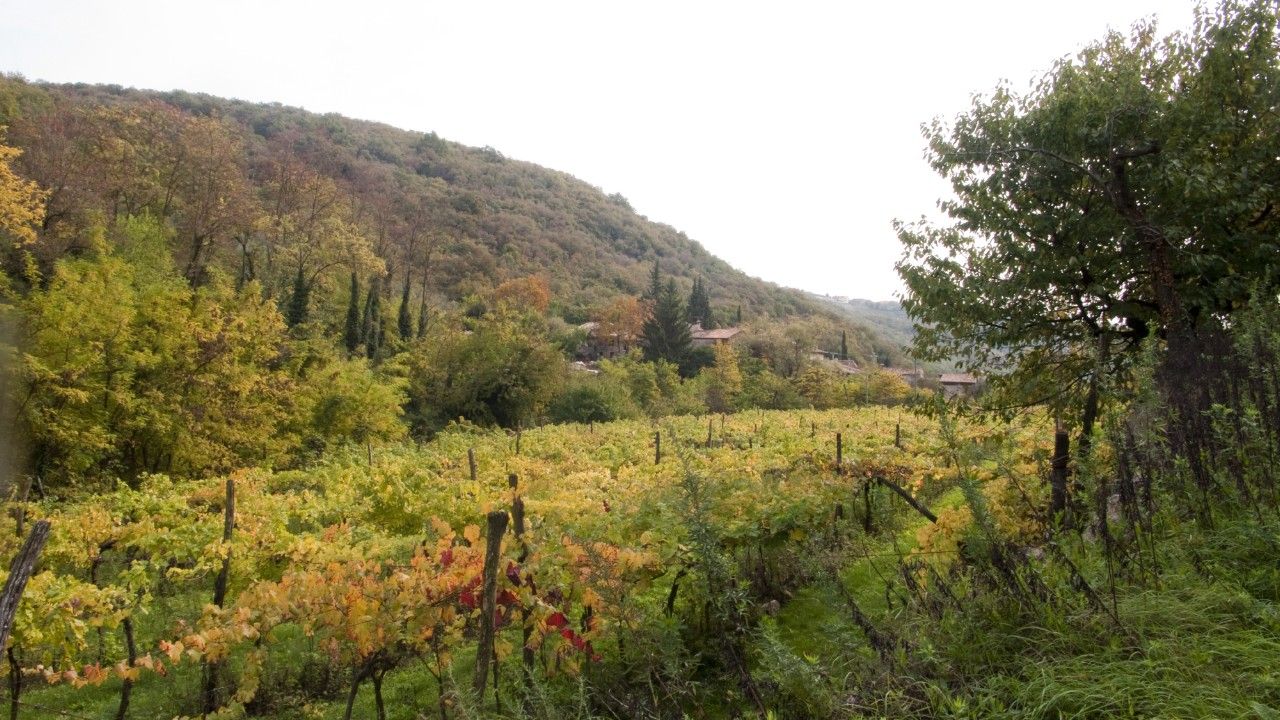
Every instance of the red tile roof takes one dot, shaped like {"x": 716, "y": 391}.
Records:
{"x": 717, "y": 334}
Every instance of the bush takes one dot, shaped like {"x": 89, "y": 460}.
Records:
{"x": 592, "y": 400}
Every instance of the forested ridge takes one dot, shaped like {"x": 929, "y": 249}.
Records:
{"x": 456, "y": 219}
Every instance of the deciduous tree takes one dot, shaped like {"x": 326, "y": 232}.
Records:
{"x": 1130, "y": 193}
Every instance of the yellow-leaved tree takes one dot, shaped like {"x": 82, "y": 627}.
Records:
{"x": 21, "y": 200}
{"x": 22, "y": 205}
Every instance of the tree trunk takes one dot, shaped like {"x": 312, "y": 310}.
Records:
{"x": 126, "y": 685}
{"x": 377, "y": 695}
{"x": 19, "y": 572}
{"x": 355, "y": 688}
{"x": 15, "y": 685}
{"x": 1058, "y": 497}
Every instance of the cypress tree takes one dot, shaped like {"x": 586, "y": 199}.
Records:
{"x": 655, "y": 283}
{"x": 844, "y": 346}
{"x": 379, "y": 322}
{"x": 666, "y": 332}
{"x": 738, "y": 320}
{"x": 404, "y": 323}
{"x": 700, "y": 305}
{"x": 351, "y": 333}
{"x": 299, "y": 299}
{"x": 369, "y": 330}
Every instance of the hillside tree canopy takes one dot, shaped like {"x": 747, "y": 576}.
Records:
{"x": 1131, "y": 193}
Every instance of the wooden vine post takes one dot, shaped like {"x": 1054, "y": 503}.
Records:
{"x": 496, "y": 526}
{"x": 527, "y": 655}
{"x": 839, "y": 453}
{"x": 471, "y": 462}
{"x": 708, "y": 432}
{"x": 657, "y": 448}
{"x": 897, "y": 435}
{"x": 209, "y": 694}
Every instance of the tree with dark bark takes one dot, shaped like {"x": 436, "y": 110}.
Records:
{"x": 1130, "y": 194}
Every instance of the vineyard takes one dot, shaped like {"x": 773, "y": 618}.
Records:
{"x": 485, "y": 570}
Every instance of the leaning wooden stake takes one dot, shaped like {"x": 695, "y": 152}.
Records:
{"x": 209, "y": 695}
{"x": 497, "y": 525}
{"x": 19, "y": 572}
{"x": 902, "y": 493}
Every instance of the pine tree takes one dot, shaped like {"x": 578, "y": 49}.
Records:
{"x": 844, "y": 346}
{"x": 351, "y": 333}
{"x": 666, "y": 332}
{"x": 404, "y": 323}
{"x": 299, "y": 299}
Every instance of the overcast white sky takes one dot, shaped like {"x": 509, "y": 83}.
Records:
{"x": 784, "y": 137}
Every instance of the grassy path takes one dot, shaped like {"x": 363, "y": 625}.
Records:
{"x": 815, "y": 621}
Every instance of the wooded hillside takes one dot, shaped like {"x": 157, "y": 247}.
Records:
{"x": 240, "y": 179}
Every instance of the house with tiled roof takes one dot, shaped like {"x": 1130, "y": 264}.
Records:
{"x": 958, "y": 384}
{"x": 707, "y": 338}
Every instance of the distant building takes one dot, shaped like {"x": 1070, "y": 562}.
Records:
{"x": 599, "y": 345}
{"x": 958, "y": 384}
{"x": 832, "y": 360}
{"x": 911, "y": 376}
{"x": 707, "y": 338}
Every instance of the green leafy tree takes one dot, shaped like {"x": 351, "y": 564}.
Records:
{"x": 503, "y": 373}
{"x": 666, "y": 333}
{"x": 1130, "y": 193}
{"x": 163, "y": 378}
{"x": 723, "y": 380}
{"x": 346, "y": 401}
